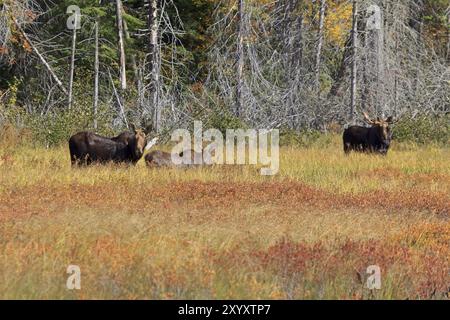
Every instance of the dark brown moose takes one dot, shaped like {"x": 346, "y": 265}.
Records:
{"x": 376, "y": 139}
{"x": 88, "y": 147}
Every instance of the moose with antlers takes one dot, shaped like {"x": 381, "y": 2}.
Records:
{"x": 375, "y": 139}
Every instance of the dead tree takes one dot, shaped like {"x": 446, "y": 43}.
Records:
{"x": 72, "y": 60}
{"x": 296, "y": 41}
{"x": 354, "y": 57}
{"x": 119, "y": 20}
{"x": 448, "y": 35}
{"x": 134, "y": 66}
{"x": 374, "y": 61}
{"x": 119, "y": 101}
{"x": 240, "y": 59}
{"x": 96, "y": 72}
{"x": 336, "y": 89}
{"x": 153, "y": 63}
{"x": 294, "y": 51}
{"x": 319, "y": 44}
{"x": 41, "y": 57}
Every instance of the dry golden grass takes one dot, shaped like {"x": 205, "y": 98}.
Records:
{"x": 226, "y": 231}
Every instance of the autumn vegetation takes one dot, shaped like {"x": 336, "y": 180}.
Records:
{"x": 226, "y": 232}
{"x": 308, "y": 68}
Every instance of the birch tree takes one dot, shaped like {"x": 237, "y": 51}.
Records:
{"x": 153, "y": 63}
{"x": 122, "y": 57}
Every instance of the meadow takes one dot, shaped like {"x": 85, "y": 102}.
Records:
{"x": 226, "y": 232}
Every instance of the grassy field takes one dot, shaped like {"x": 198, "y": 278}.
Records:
{"x": 224, "y": 232}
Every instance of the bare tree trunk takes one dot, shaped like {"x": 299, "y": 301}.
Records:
{"x": 339, "y": 79}
{"x": 286, "y": 37}
{"x": 319, "y": 44}
{"x": 395, "y": 93}
{"x": 119, "y": 102}
{"x": 44, "y": 62}
{"x": 354, "y": 52}
{"x": 96, "y": 71}
{"x": 381, "y": 107}
{"x": 240, "y": 59}
{"x": 72, "y": 63}
{"x": 297, "y": 46}
{"x": 374, "y": 60}
{"x": 295, "y": 51}
{"x": 416, "y": 22}
{"x": 137, "y": 78}
{"x": 123, "y": 77}
{"x": 396, "y": 72}
{"x": 153, "y": 63}
{"x": 365, "y": 83}
{"x": 448, "y": 36}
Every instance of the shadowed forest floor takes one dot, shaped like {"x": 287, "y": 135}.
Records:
{"x": 226, "y": 231}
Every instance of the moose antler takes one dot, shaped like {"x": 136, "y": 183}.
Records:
{"x": 367, "y": 119}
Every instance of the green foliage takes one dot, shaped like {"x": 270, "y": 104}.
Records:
{"x": 423, "y": 130}
{"x": 13, "y": 91}
{"x": 197, "y": 17}
{"x": 133, "y": 22}
{"x": 56, "y": 127}
{"x": 304, "y": 138}
{"x": 225, "y": 120}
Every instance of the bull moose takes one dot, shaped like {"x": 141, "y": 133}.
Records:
{"x": 376, "y": 139}
{"x": 88, "y": 147}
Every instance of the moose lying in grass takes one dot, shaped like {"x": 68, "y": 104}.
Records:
{"x": 158, "y": 158}
{"x": 376, "y": 139}
{"x": 88, "y": 147}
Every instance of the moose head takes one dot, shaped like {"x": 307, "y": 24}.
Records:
{"x": 382, "y": 127}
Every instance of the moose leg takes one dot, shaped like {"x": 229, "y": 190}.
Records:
{"x": 347, "y": 148}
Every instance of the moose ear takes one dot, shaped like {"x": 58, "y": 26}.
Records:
{"x": 390, "y": 119}
{"x": 133, "y": 127}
